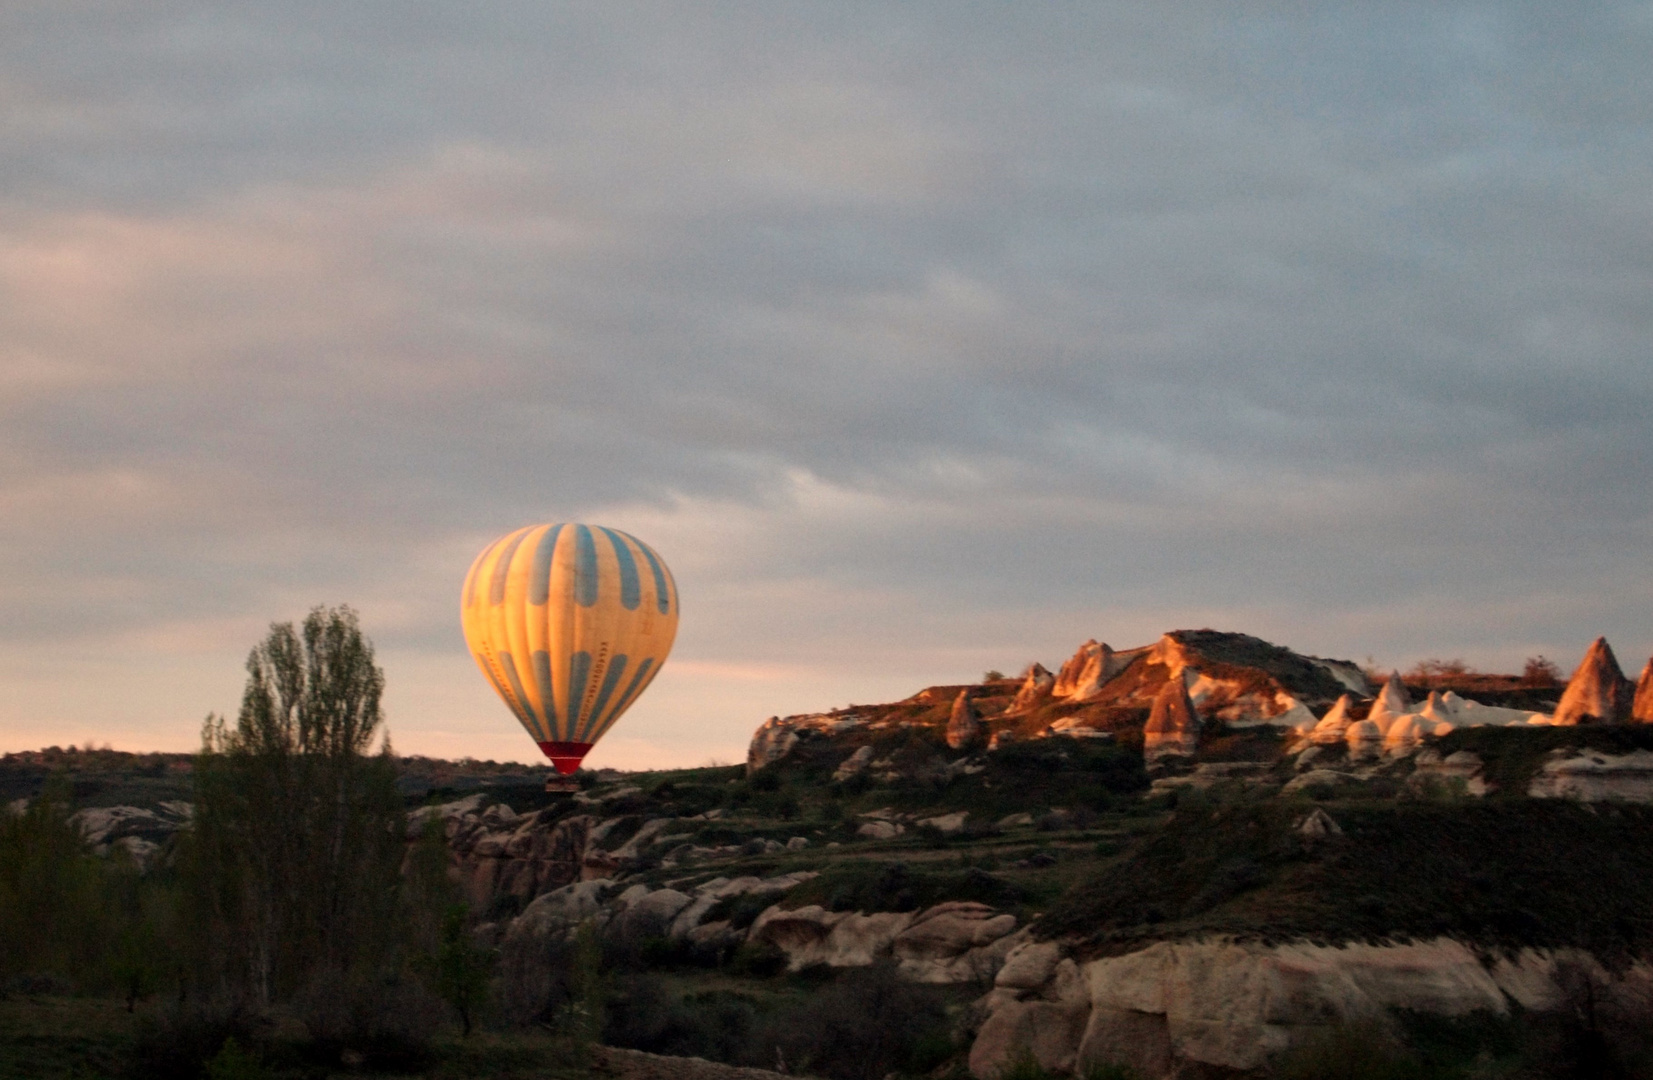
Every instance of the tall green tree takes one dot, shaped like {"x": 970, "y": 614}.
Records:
{"x": 298, "y": 829}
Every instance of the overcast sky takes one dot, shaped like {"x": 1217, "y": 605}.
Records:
{"x": 918, "y": 339}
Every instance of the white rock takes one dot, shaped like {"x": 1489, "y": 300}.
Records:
{"x": 1029, "y": 965}
{"x": 1592, "y": 776}
{"x": 947, "y": 823}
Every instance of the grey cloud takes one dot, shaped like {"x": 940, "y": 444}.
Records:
{"x": 1242, "y": 307}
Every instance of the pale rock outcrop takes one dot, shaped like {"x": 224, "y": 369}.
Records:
{"x": 964, "y": 727}
{"x": 1641, "y": 709}
{"x": 1029, "y": 965}
{"x": 1461, "y": 770}
{"x": 643, "y": 837}
{"x": 1364, "y": 739}
{"x": 559, "y": 912}
{"x": 1392, "y": 703}
{"x": 1405, "y": 734}
{"x": 1598, "y": 692}
{"x": 1173, "y": 728}
{"x": 1318, "y": 778}
{"x": 1035, "y": 689}
{"x": 855, "y": 764}
{"x": 1331, "y": 728}
{"x": 950, "y": 943}
{"x": 1592, "y": 776}
{"x": 880, "y": 830}
{"x": 947, "y": 823}
{"x": 1175, "y": 1007}
{"x": 812, "y": 935}
{"x": 651, "y": 913}
{"x": 708, "y": 895}
{"x": 1318, "y": 825}
{"x": 1081, "y": 678}
{"x": 772, "y": 741}
{"x": 138, "y": 832}
{"x": 1076, "y": 727}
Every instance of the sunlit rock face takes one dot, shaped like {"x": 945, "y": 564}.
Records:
{"x": 1082, "y": 677}
{"x": 1036, "y": 688}
{"x": 1391, "y": 704}
{"x": 964, "y": 727}
{"x": 1598, "y": 692}
{"x": 1641, "y": 710}
{"x": 1173, "y": 728}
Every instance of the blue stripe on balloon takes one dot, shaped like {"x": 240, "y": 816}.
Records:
{"x": 526, "y": 706}
{"x": 631, "y": 593}
{"x": 496, "y": 593}
{"x": 539, "y": 588}
{"x": 632, "y": 690}
{"x": 579, "y": 669}
{"x": 611, "y": 679}
{"x": 548, "y": 697}
{"x": 661, "y": 598}
{"x": 469, "y": 599}
{"x": 585, "y": 567}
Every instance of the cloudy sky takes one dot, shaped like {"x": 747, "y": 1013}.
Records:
{"x": 918, "y": 338}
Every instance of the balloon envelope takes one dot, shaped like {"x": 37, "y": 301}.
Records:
{"x": 569, "y": 623}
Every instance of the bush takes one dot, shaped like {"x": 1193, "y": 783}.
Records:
{"x": 865, "y": 1024}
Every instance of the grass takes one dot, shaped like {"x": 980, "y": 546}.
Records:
{"x": 72, "y": 1038}
{"x": 1501, "y": 874}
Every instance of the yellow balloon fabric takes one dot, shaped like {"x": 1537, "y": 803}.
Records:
{"x": 569, "y": 623}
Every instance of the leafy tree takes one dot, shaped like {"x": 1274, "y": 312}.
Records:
{"x": 53, "y": 914}
{"x": 298, "y": 830}
{"x": 462, "y": 968}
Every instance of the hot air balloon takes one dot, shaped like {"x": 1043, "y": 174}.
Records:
{"x": 569, "y": 624}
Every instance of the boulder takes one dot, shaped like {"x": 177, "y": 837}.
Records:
{"x": 880, "y": 830}
{"x": 559, "y": 912}
{"x": 1036, "y": 687}
{"x": 773, "y": 740}
{"x": 1029, "y": 965}
{"x": 1051, "y": 1031}
{"x": 947, "y": 823}
{"x": 964, "y": 727}
{"x": 1172, "y": 727}
{"x": 951, "y": 929}
{"x": 812, "y": 935}
{"x": 855, "y": 764}
{"x": 1641, "y": 709}
{"x": 651, "y": 914}
{"x": 1598, "y": 692}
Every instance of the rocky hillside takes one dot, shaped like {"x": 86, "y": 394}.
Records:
{"x": 1204, "y": 853}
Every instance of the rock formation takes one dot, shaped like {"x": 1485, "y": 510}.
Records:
{"x": 1393, "y": 702}
{"x": 964, "y": 727}
{"x": 1221, "y": 1007}
{"x": 1081, "y": 678}
{"x": 1641, "y": 710}
{"x": 1035, "y": 689}
{"x": 1334, "y": 725}
{"x": 1173, "y": 728}
{"x": 772, "y": 741}
{"x": 1598, "y": 692}
{"x": 1365, "y": 740}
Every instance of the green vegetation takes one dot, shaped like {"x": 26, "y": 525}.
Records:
{"x": 1499, "y": 873}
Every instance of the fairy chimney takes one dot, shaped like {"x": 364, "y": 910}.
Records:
{"x": 1598, "y": 692}
{"x": 964, "y": 726}
{"x": 1641, "y": 710}
{"x": 1081, "y": 678}
{"x": 1173, "y": 727}
{"x": 1392, "y": 703}
{"x": 1035, "y": 689}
